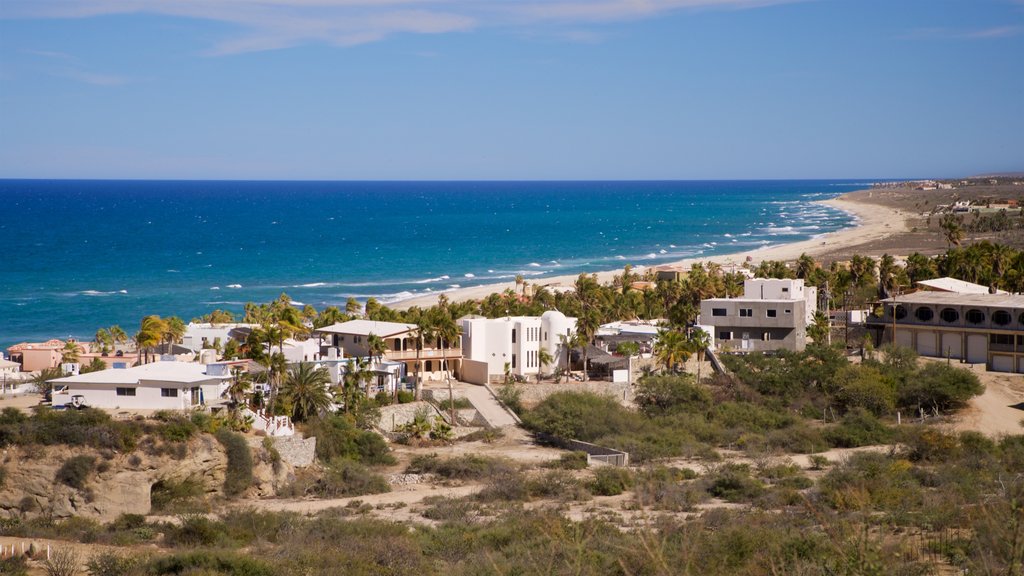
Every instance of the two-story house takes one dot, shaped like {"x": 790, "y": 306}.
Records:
{"x": 772, "y": 314}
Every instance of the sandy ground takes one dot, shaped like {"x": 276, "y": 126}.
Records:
{"x": 875, "y": 223}
{"x": 22, "y": 401}
{"x": 994, "y": 413}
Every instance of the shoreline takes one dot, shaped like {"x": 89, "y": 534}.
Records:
{"x": 872, "y": 222}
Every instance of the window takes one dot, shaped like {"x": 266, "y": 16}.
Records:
{"x": 513, "y": 360}
{"x": 900, "y": 312}
{"x": 513, "y": 335}
{"x": 126, "y": 391}
{"x": 430, "y": 366}
{"x": 746, "y": 312}
{"x": 1006, "y": 339}
{"x": 975, "y": 316}
{"x": 169, "y": 392}
{"x": 1001, "y": 317}
{"x": 924, "y": 314}
{"x": 785, "y": 289}
{"x": 718, "y": 312}
{"x": 766, "y": 336}
{"x": 949, "y": 315}
{"x": 788, "y": 311}
{"x": 725, "y": 335}
{"x": 771, "y": 313}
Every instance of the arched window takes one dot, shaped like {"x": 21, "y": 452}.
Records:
{"x": 975, "y": 316}
{"x": 1001, "y": 317}
{"x": 924, "y": 314}
{"x": 949, "y": 315}
{"x": 900, "y": 312}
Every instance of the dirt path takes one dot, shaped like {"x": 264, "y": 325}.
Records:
{"x": 993, "y": 413}
{"x": 407, "y": 494}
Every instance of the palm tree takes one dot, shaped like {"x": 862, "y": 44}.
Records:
{"x": 376, "y": 347}
{"x": 543, "y": 358}
{"x": 424, "y": 331}
{"x": 174, "y": 331}
{"x": 276, "y": 365}
{"x": 69, "y": 354}
{"x": 240, "y": 385}
{"x": 671, "y": 348}
{"x": 698, "y": 342}
{"x": 566, "y": 344}
{"x": 952, "y": 230}
{"x": 151, "y": 331}
{"x": 357, "y": 374}
{"x": 305, "y": 388}
{"x": 104, "y": 341}
{"x": 447, "y": 332}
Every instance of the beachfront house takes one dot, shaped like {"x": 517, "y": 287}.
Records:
{"x": 488, "y": 344}
{"x": 976, "y": 328}
{"x": 153, "y": 386}
{"x": 33, "y": 356}
{"x": 202, "y": 335}
{"x": 772, "y": 314}
{"x": 402, "y": 343}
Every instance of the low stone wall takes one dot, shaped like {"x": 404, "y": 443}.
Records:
{"x": 295, "y": 450}
{"x": 440, "y": 395}
{"x": 532, "y": 394}
{"x": 396, "y": 415}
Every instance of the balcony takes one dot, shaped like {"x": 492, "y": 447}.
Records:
{"x": 428, "y": 354}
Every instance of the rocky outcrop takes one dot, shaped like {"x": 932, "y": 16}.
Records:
{"x": 118, "y": 483}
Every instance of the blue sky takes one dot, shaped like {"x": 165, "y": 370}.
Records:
{"x": 510, "y": 89}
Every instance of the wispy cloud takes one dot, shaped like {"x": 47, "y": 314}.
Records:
{"x": 959, "y": 34}
{"x": 274, "y": 24}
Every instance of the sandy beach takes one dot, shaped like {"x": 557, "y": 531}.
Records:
{"x": 875, "y": 222}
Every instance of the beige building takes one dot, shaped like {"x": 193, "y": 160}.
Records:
{"x": 977, "y": 328}
{"x": 33, "y": 356}
{"x": 348, "y": 339}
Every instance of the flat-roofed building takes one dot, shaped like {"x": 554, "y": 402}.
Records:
{"x": 491, "y": 343}
{"x": 153, "y": 386}
{"x": 977, "y": 328}
{"x": 401, "y": 343}
{"x": 772, "y": 314}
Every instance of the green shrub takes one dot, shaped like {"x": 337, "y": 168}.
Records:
{"x": 195, "y": 530}
{"x": 347, "y": 478}
{"x": 858, "y": 428}
{"x": 211, "y": 562}
{"x": 665, "y": 488}
{"x": 444, "y": 509}
{"x": 86, "y": 427}
{"x": 338, "y": 437}
{"x": 575, "y": 460}
{"x": 458, "y": 403}
{"x": 865, "y": 387}
{"x": 582, "y": 416}
{"x": 14, "y": 566}
{"x": 175, "y": 428}
{"x": 112, "y": 564}
{"x": 76, "y": 470}
{"x": 170, "y": 495}
{"x": 238, "y": 476}
{"x": 406, "y": 396}
{"x": 558, "y": 484}
{"x": 733, "y": 483}
{"x": 511, "y": 397}
{"x": 611, "y": 481}
{"x": 657, "y": 395}
{"x": 940, "y": 386}
{"x": 466, "y": 467}
{"x": 507, "y": 485}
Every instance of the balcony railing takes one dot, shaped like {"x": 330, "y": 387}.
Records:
{"x": 429, "y": 354}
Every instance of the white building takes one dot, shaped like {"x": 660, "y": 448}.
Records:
{"x": 488, "y": 344}
{"x": 154, "y": 386}
{"x": 772, "y": 314}
{"x": 296, "y": 351}
{"x": 200, "y": 335}
{"x": 8, "y": 367}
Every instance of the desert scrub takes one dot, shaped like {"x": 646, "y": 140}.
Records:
{"x": 340, "y": 478}
{"x": 338, "y": 437}
{"x": 611, "y": 481}
{"x": 664, "y": 488}
{"x": 238, "y": 476}
{"x": 467, "y": 467}
{"x": 175, "y": 495}
{"x": 575, "y": 460}
{"x": 76, "y": 470}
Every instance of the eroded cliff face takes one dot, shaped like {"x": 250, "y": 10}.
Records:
{"x": 119, "y": 482}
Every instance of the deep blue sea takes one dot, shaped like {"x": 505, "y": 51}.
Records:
{"x": 77, "y": 255}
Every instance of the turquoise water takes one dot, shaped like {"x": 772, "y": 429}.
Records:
{"x": 82, "y": 254}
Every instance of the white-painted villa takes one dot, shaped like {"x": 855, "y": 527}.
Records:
{"x": 154, "y": 386}
{"x": 202, "y": 335}
{"x": 401, "y": 341}
{"x": 491, "y": 343}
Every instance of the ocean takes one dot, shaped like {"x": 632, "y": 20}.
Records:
{"x": 78, "y": 255}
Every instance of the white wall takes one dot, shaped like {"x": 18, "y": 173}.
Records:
{"x": 194, "y": 334}
{"x": 147, "y": 395}
{"x": 490, "y": 341}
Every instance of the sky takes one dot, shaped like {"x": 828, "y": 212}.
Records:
{"x": 510, "y": 89}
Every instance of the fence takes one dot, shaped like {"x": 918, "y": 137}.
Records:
{"x": 594, "y": 452}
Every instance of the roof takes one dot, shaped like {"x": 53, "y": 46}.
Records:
{"x": 948, "y": 284}
{"x": 953, "y": 299}
{"x": 53, "y": 344}
{"x": 7, "y": 363}
{"x": 367, "y": 327}
{"x": 182, "y": 372}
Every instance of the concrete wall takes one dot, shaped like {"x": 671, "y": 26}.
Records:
{"x": 474, "y": 372}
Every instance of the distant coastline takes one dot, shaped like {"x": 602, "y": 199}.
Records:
{"x": 871, "y": 222}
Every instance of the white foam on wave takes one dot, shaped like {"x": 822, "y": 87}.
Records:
{"x": 234, "y": 285}
{"x": 430, "y": 280}
{"x": 469, "y": 275}
{"x": 312, "y": 285}
{"x": 534, "y": 265}
{"x": 214, "y": 287}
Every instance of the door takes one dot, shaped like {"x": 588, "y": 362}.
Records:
{"x": 1002, "y": 363}
{"x": 926, "y": 344}
{"x": 977, "y": 348}
{"x": 745, "y": 345}
{"x": 952, "y": 346}
{"x": 904, "y": 338}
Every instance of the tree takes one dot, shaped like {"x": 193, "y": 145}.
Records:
{"x": 151, "y": 332}
{"x": 357, "y": 375}
{"x": 952, "y": 230}
{"x": 94, "y": 366}
{"x": 174, "y": 331}
{"x": 104, "y": 341}
{"x": 698, "y": 342}
{"x": 939, "y": 386}
{"x": 376, "y": 346}
{"x": 305, "y": 389}
{"x": 819, "y": 329}
{"x": 657, "y": 395}
{"x": 70, "y": 352}
{"x": 671, "y": 348}
{"x": 544, "y": 358}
